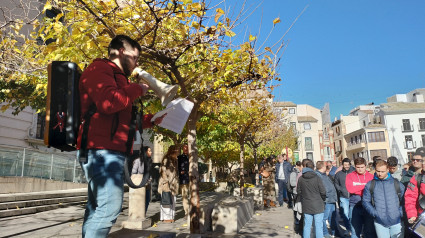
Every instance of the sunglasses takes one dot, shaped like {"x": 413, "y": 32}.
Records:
{"x": 418, "y": 160}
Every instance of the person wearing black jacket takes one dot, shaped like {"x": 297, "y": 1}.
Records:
{"x": 183, "y": 167}
{"x": 344, "y": 195}
{"x": 313, "y": 195}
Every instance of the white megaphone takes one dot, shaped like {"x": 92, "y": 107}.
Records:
{"x": 164, "y": 91}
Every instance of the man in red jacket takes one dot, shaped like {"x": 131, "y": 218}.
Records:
{"x": 413, "y": 192}
{"x": 360, "y": 220}
{"x": 105, "y": 85}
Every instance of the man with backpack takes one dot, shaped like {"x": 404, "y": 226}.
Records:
{"x": 107, "y": 94}
{"x": 330, "y": 202}
{"x": 415, "y": 191}
{"x": 312, "y": 194}
{"x": 381, "y": 199}
{"x": 361, "y": 222}
{"x": 344, "y": 195}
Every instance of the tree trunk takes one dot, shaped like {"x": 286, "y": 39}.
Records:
{"x": 242, "y": 159}
{"x": 193, "y": 172}
{"x": 257, "y": 176}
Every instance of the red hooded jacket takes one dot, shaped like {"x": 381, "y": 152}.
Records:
{"x": 105, "y": 84}
{"x": 411, "y": 198}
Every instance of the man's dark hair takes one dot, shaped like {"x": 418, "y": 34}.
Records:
{"x": 346, "y": 160}
{"x": 309, "y": 164}
{"x": 392, "y": 161}
{"x": 118, "y": 42}
{"x": 359, "y": 160}
{"x": 375, "y": 159}
{"x": 304, "y": 163}
{"x": 320, "y": 165}
{"x": 298, "y": 163}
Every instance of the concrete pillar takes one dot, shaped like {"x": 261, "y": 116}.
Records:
{"x": 136, "y": 208}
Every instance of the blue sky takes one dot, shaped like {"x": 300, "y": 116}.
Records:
{"x": 345, "y": 52}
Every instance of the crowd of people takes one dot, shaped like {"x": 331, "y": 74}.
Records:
{"x": 382, "y": 202}
{"x": 379, "y": 199}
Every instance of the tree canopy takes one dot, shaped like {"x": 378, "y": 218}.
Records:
{"x": 189, "y": 43}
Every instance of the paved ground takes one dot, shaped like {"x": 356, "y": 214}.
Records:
{"x": 67, "y": 222}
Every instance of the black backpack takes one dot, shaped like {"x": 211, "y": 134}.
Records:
{"x": 63, "y": 116}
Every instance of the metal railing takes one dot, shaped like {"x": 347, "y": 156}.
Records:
{"x": 407, "y": 128}
{"x": 27, "y": 162}
{"x": 355, "y": 142}
{"x": 410, "y": 145}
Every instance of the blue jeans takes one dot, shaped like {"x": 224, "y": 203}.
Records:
{"x": 104, "y": 171}
{"x": 318, "y": 224}
{"x": 282, "y": 191}
{"x": 330, "y": 216}
{"x": 345, "y": 205}
{"x": 389, "y": 232}
{"x": 361, "y": 222}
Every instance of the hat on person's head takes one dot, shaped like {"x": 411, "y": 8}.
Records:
{"x": 420, "y": 151}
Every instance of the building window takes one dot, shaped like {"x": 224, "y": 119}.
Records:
{"x": 308, "y": 143}
{"x": 377, "y": 136}
{"x": 338, "y": 130}
{"x": 307, "y": 126}
{"x": 291, "y": 110}
{"x": 41, "y": 123}
{"x": 380, "y": 153}
{"x": 293, "y": 125}
{"x": 410, "y": 155}
{"x": 422, "y": 124}
{"x": 326, "y": 134}
{"x": 310, "y": 156}
{"x": 406, "y": 125}
{"x": 408, "y": 142}
{"x": 423, "y": 140}
{"x": 364, "y": 123}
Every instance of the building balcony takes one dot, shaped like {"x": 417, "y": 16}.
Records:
{"x": 409, "y": 145}
{"x": 355, "y": 145}
{"x": 408, "y": 128}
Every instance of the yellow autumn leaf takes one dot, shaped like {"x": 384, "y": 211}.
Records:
{"x": 269, "y": 49}
{"x": 251, "y": 37}
{"x": 276, "y": 20}
{"x": 219, "y": 13}
{"x": 230, "y": 33}
{"x": 57, "y": 27}
{"x": 47, "y": 6}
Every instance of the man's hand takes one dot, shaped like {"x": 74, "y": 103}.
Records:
{"x": 145, "y": 88}
{"x": 158, "y": 120}
{"x": 412, "y": 220}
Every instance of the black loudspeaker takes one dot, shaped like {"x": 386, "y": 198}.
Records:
{"x": 63, "y": 105}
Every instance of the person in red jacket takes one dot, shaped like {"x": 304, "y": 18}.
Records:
{"x": 361, "y": 222}
{"x": 412, "y": 196}
{"x": 105, "y": 85}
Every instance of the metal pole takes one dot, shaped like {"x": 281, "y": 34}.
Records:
{"x": 51, "y": 167}
{"x": 73, "y": 174}
{"x": 23, "y": 163}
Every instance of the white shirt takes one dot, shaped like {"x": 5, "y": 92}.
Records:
{"x": 281, "y": 173}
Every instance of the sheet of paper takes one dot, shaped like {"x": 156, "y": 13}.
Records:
{"x": 178, "y": 112}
